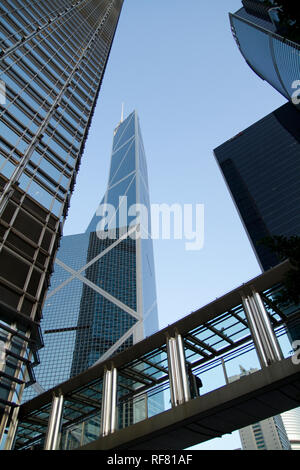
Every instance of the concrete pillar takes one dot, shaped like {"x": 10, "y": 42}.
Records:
{"x": 264, "y": 338}
{"x": 54, "y": 424}
{"x": 109, "y": 402}
{"x": 179, "y": 386}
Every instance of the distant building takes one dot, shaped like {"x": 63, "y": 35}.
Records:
{"x": 291, "y": 421}
{"x": 268, "y": 434}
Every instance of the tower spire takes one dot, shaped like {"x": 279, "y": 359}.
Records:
{"x": 122, "y": 113}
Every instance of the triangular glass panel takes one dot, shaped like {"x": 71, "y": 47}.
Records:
{"x": 143, "y": 164}
{"x": 93, "y": 223}
{"x": 125, "y": 131}
{"x": 126, "y": 165}
{"x": 105, "y": 323}
{"x": 117, "y": 158}
{"x": 125, "y": 188}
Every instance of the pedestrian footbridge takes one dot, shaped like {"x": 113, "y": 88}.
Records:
{"x": 144, "y": 398}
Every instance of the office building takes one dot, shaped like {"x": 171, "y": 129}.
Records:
{"x": 269, "y": 434}
{"x": 270, "y": 44}
{"x": 53, "y": 57}
{"x": 103, "y": 295}
{"x": 291, "y": 421}
{"x": 261, "y": 167}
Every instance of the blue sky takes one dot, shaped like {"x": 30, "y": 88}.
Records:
{"x": 177, "y": 63}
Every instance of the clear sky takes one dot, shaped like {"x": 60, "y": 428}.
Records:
{"x": 177, "y": 64}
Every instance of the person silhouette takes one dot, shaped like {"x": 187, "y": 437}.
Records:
{"x": 195, "y": 383}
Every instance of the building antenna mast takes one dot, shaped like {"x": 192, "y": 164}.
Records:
{"x": 122, "y": 113}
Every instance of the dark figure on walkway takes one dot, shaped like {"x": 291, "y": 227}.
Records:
{"x": 195, "y": 384}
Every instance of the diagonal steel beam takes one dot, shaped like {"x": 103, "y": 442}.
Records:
{"x": 99, "y": 290}
{"x": 87, "y": 265}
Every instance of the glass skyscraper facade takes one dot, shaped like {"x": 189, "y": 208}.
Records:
{"x": 52, "y": 59}
{"x": 103, "y": 294}
{"x": 266, "y": 46}
{"x": 261, "y": 166}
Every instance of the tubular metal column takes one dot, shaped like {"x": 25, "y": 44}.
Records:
{"x": 109, "y": 402}
{"x": 2, "y": 355}
{"x": 177, "y": 371}
{"x": 12, "y": 429}
{"x": 266, "y": 343}
{"x": 54, "y": 425}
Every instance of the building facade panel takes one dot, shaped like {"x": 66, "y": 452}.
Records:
{"x": 268, "y": 49}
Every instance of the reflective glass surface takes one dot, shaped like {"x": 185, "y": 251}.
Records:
{"x": 288, "y": 62}
{"x": 261, "y": 166}
{"x": 273, "y": 57}
{"x": 255, "y": 47}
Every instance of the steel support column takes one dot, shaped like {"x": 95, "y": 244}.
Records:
{"x": 54, "y": 424}
{"x": 179, "y": 387}
{"x": 266, "y": 343}
{"x": 109, "y": 402}
{"x": 12, "y": 429}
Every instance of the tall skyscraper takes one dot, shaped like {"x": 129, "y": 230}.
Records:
{"x": 103, "y": 295}
{"x": 269, "y": 44}
{"x": 268, "y": 434}
{"x": 52, "y": 59}
{"x": 261, "y": 166}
